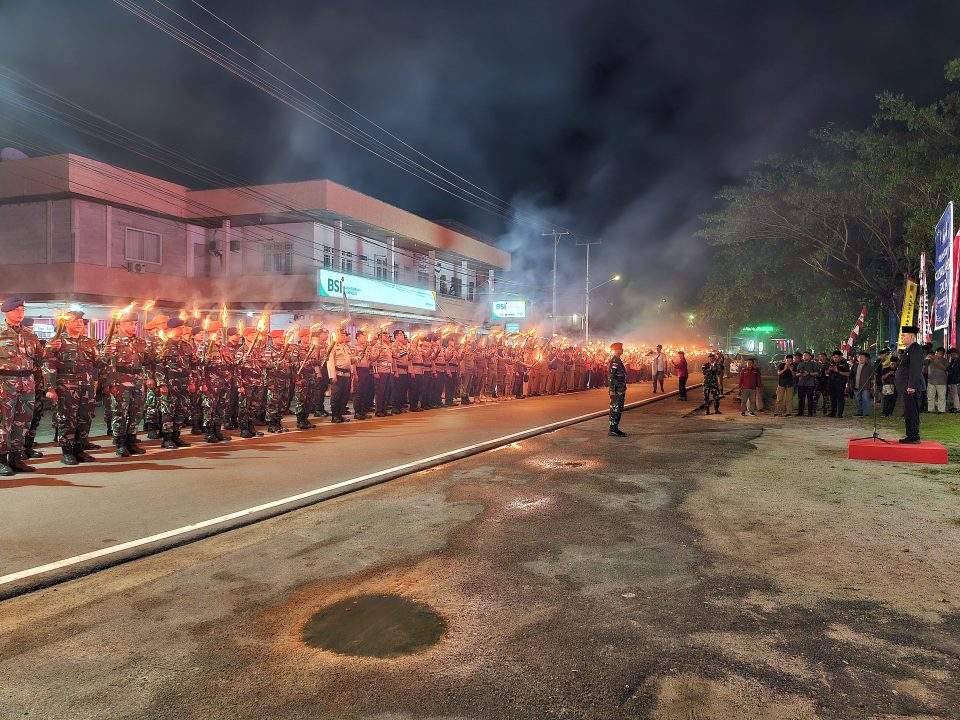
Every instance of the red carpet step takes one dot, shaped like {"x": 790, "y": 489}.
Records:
{"x": 928, "y": 451}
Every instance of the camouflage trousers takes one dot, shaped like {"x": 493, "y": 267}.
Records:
{"x": 618, "y": 394}
{"x": 195, "y": 407}
{"x": 124, "y": 403}
{"x": 303, "y": 397}
{"x": 711, "y": 393}
{"x": 74, "y": 414}
{"x": 151, "y": 408}
{"x": 175, "y": 408}
{"x": 277, "y": 399}
{"x": 16, "y": 411}
{"x": 37, "y": 411}
{"x": 215, "y": 400}
{"x": 249, "y": 404}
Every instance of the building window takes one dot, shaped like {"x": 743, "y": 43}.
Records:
{"x": 380, "y": 267}
{"x": 346, "y": 261}
{"x": 455, "y": 287}
{"x": 396, "y": 272}
{"x": 143, "y": 246}
{"x": 423, "y": 272}
{"x": 327, "y": 257}
{"x": 278, "y": 257}
{"x": 443, "y": 284}
{"x": 472, "y": 291}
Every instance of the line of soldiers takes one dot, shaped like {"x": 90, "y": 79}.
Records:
{"x": 209, "y": 378}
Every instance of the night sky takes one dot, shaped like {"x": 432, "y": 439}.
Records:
{"x": 619, "y": 120}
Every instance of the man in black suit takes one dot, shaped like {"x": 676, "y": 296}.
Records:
{"x": 909, "y": 383}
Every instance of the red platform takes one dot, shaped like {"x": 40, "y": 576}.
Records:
{"x": 928, "y": 451}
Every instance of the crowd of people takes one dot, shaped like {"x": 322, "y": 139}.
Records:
{"x": 182, "y": 375}
{"x": 808, "y": 384}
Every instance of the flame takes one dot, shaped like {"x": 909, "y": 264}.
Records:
{"x": 223, "y": 315}
{"x": 385, "y": 325}
{"x": 148, "y": 305}
{"x": 123, "y": 311}
{"x": 240, "y": 326}
{"x": 183, "y": 315}
{"x": 262, "y": 323}
{"x": 196, "y": 313}
{"x": 291, "y": 333}
{"x": 206, "y": 324}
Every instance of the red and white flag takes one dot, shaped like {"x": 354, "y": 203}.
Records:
{"x": 848, "y": 345}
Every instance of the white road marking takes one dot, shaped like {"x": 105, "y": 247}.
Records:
{"x": 130, "y": 545}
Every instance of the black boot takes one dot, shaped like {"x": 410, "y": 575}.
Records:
{"x": 274, "y": 427}
{"x": 15, "y": 460}
{"x": 178, "y": 442}
{"x": 211, "y": 436}
{"x": 708, "y": 409}
{"x": 303, "y": 423}
{"x": 67, "y": 457}
{"x": 253, "y": 430}
{"x": 218, "y": 431}
{"x": 5, "y": 470}
{"x": 616, "y": 431}
{"x": 231, "y": 425}
{"x": 153, "y": 433}
{"x": 80, "y": 453}
{"x": 196, "y": 430}
{"x": 87, "y": 445}
{"x": 28, "y": 450}
{"x": 120, "y": 444}
{"x": 716, "y": 409}
{"x": 131, "y": 441}
{"x": 246, "y": 430}
{"x": 168, "y": 442}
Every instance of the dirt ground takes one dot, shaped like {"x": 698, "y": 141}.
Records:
{"x": 701, "y": 569}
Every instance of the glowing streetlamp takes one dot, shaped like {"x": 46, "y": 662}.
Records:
{"x": 586, "y": 314}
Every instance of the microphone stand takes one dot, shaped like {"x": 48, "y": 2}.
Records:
{"x": 876, "y": 421}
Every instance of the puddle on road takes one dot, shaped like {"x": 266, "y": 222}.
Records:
{"x": 378, "y": 626}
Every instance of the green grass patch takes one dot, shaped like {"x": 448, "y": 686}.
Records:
{"x": 943, "y": 428}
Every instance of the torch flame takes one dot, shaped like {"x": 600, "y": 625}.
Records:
{"x": 206, "y": 324}
{"x": 148, "y": 305}
{"x": 183, "y": 315}
{"x": 240, "y": 326}
{"x": 385, "y": 325}
{"x": 291, "y": 333}
{"x": 123, "y": 311}
{"x": 196, "y": 313}
{"x": 262, "y": 323}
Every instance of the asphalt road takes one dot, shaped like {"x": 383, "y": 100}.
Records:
{"x": 575, "y": 574}
{"x": 57, "y": 517}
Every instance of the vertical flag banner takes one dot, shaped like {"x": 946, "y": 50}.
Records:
{"x": 956, "y": 288}
{"x": 909, "y": 305}
{"x": 848, "y": 345}
{"x": 943, "y": 270}
{"x": 923, "y": 303}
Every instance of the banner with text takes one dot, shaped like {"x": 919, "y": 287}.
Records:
{"x": 337, "y": 285}
{"x": 943, "y": 270}
{"x": 909, "y": 307}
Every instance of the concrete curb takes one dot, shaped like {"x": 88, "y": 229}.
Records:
{"x": 14, "y": 588}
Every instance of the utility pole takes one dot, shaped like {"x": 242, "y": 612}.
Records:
{"x": 586, "y": 291}
{"x": 557, "y": 234}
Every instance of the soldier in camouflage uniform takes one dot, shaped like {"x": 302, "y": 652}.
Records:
{"x": 304, "y": 363}
{"x": 195, "y": 413}
{"x": 279, "y": 369}
{"x": 173, "y": 375}
{"x": 711, "y": 384}
{"x": 127, "y": 364}
{"x": 251, "y": 378}
{"x": 70, "y": 367}
{"x": 617, "y": 384}
{"x": 217, "y": 375}
{"x": 19, "y": 352}
{"x": 29, "y": 451}
{"x": 322, "y": 381}
{"x": 151, "y": 404}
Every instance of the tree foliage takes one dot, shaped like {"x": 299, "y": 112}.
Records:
{"x": 841, "y": 223}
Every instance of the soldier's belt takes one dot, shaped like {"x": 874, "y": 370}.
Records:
{"x": 16, "y": 373}
{"x": 128, "y": 369}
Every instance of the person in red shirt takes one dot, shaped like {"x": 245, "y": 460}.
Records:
{"x": 749, "y": 384}
{"x": 682, "y": 373}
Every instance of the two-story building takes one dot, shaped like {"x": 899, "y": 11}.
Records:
{"x": 75, "y": 231}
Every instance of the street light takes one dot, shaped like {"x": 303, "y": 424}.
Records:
{"x": 586, "y": 314}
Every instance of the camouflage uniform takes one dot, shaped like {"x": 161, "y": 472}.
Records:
{"x": 217, "y": 373}
{"x": 279, "y": 369}
{"x": 38, "y": 393}
{"x": 71, "y": 370}
{"x": 251, "y": 378}
{"x": 19, "y": 351}
{"x": 176, "y": 362}
{"x": 128, "y": 362}
{"x": 617, "y": 383}
{"x": 304, "y": 368}
{"x": 711, "y": 386}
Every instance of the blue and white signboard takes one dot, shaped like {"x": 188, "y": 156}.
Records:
{"x": 334, "y": 284}
{"x": 943, "y": 270}
{"x": 509, "y": 308}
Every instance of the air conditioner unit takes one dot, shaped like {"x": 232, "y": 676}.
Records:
{"x": 136, "y": 267}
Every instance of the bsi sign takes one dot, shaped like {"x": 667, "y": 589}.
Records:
{"x": 333, "y": 284}
{"x": 509, "y": 308}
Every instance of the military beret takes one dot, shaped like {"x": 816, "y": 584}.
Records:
{"x": 305, "y": 333}
{"x": 277, "y": 334}
{"x": 616, "y": 346}
{"x": 399, "y": 332}
{"x": 159, "y": 320}
{"x": 214, "y": 326}
{"x": 231, "y": 331}
{"x": 249, "y": 331}
{"x": 11, "y": 304}
{"x": 26, "y": 322}
{"x": 129, "y": 317}
{"x": 197, "y": 330}
{"x": 173, "y": 323}
{"x": 73, "y": 315}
